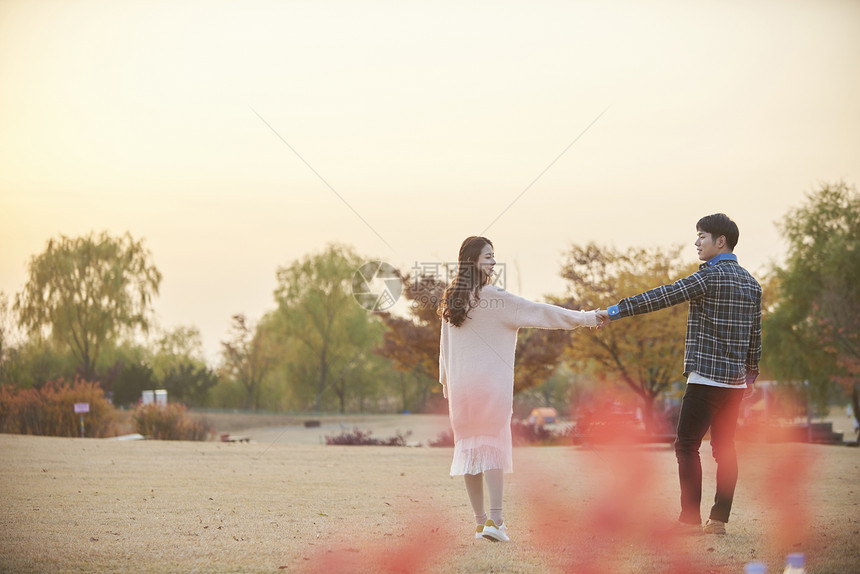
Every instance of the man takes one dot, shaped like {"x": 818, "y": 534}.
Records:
{"x": 723, "y": 348}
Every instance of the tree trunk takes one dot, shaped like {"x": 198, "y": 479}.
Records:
{"x": 249, "y": 400}
{"x": 422, "y": 393}
{"x": 321, "y": 384}
{"x": 648, "y": 413}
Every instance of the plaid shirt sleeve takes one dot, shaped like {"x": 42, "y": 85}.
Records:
{"x": 723, "y": 341}
{"x": 664, "y": 296}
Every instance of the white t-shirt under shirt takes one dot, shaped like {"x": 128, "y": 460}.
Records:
{"x": 697, "y": 379}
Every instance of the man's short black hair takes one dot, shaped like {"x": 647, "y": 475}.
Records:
{"x": 720, "y": 224}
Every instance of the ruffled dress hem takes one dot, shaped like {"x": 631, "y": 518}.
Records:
{"x": 475, "y": 455}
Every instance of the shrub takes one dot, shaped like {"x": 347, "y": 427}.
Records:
{"x": 50, "y": 410}
{"x": 362, "y": 438}
{"x": 522, "y": 433}
{"x": 170, "y": 422}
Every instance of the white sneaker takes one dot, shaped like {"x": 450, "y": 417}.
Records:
{"x": 495, "y": 533}
{"x": 479, "y": 532}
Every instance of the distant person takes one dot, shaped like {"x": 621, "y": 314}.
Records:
{"x": 723, "y": 349}
{"x": 476, "y": 370}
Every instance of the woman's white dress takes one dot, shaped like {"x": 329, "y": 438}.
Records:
{"x": 476, "y": 370}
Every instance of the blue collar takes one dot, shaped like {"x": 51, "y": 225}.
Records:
{"x": 722, "y": 257}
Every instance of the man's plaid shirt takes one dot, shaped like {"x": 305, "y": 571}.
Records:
{"x": 724, "y": 323}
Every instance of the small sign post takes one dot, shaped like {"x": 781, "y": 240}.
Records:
{"x": 81, "y": 408}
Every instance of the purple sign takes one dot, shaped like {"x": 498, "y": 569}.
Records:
{"x": 82, "y": 407}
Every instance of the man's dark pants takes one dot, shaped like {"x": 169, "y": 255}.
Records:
{"x": 716, "y": 408}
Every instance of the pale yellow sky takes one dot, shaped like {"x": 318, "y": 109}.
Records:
{"x": 428, "y": 119}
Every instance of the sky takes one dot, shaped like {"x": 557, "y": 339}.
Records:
{"x": 235, "y": 138}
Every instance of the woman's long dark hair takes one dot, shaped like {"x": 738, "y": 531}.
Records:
{"x": 462, "y": 294}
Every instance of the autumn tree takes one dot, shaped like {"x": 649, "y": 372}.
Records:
{"x": 646, "y": 353}
{"x": 411, "y": 342}
{"x": 810, "y": 332}
{"x": 88, "y": 291}
{"x": 318, "y": 318}
{"x": 247, "y": 358}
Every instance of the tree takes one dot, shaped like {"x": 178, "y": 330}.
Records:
{"x": 188, "y": 382}
{"x": 33, "y": 361}
{"x": 177, "y": 347}
{"x": 411, "y": 343}
{"x": 130, "y": 381}
{"x": 558, "y": 391}
{"x": 645, "y": 353}
{"x": 6, "y": 325}
{"x": 320, "y": 319}
{"x": 810, "y": 332}
{"x": 178, "y": 363}
{"x": 87, "y": 291}
{"x": 246, "y": 358}
{"x": 539, "y": 352}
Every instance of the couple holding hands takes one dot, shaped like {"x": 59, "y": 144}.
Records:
{"x": 723, "y": 348}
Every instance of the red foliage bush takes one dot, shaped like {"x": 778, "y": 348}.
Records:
{"x": 50, "y": 410}
{"x": 362, "y": 438}
{"x": 522, "y": 434}
{"x": 170, "y": 422}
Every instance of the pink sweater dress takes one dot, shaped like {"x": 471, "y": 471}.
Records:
{"x": 476, "y": 370}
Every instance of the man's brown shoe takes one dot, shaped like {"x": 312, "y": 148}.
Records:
{"x": 682, "y": 529}
{"x": 714, "y": 527}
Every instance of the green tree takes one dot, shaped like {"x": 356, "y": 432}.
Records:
{"x": 182, "y": 345}
{"x": 189, "y": 383}
{"x": 6, "y": 326}
{"x": 247, "y": 358}
{"x": 178, "y": 363}
{"x": 87, "y": 291}
{"x": 129, "y": 382}
{"x": 34, "y": 361}
{"x": 539, "y": 353}
{"x": 558, "y": 391}
{"x": 645, "y": 353}
{"x": 321, "y": 322}
{"x": 810, "y": 330}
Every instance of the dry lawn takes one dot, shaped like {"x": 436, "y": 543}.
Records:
{"x": 96, "y": 505}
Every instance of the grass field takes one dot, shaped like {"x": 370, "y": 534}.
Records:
{"x": 96, "y": 505}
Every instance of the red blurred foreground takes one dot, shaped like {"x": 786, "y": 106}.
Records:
{"x": 404, "y": 555}
{"x": 622, "y": 509}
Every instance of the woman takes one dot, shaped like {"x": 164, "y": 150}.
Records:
{"x": 476, "y": 370}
